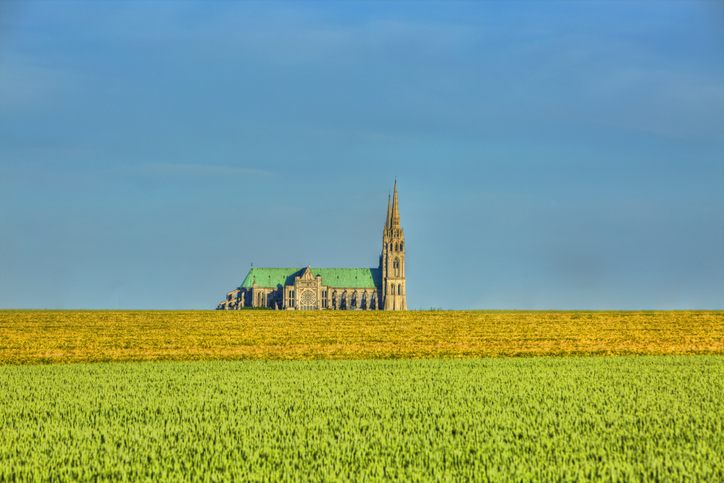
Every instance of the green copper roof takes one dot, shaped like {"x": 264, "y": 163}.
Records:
{"x": 331, "y": 277}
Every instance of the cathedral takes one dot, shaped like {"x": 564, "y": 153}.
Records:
{"x": 309, "y": 288}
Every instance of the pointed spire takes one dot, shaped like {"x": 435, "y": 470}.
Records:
{"x": 395, "y": 208}
{"x": 388, "y": 220}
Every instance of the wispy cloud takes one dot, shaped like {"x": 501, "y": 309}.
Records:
{"x": 28, "y": 83}
{"x": 195, "y": 169}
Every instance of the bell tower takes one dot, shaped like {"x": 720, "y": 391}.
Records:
{"x": 392, "y": 260}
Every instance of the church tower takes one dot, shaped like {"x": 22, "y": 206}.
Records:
{"x": 392, "y": 260}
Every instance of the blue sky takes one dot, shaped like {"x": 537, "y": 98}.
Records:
{"x": 549, "y": 154}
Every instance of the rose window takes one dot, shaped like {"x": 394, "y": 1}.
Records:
{"x": 308, "y": 298}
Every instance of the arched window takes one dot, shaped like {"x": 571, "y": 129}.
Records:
{"x": 393, "y": 289}
{"x": 401, "y": 245}
{"x": 399, "y": 289}
{"x": 396, "y": 266}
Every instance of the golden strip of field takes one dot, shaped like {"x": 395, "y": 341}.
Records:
{"x": 75, "y": 336}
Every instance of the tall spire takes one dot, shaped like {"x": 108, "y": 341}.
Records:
{"x": 395, "y": 208}
{"x": 388, "y": 220}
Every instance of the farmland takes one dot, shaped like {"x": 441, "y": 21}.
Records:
{"x": 270, "y": 395}
{"x": 87, "y": 336}
{"x": 544, "y": 418}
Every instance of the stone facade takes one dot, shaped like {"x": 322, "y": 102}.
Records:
{"x": 380, "y": 288}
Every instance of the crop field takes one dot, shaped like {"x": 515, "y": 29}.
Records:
{"x": 544, "y": 418}
{"x": 86, "y": 336}
{"x": 269, "y": 395}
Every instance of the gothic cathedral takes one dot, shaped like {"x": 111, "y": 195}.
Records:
{"x": 308, "y": 288}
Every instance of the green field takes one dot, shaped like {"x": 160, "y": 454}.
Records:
{"x": 554, "y": 418}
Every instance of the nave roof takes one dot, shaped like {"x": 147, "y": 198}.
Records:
{"x": 268, "y": 277}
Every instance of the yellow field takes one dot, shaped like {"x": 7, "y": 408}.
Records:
{"x": 73, "y": 336}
